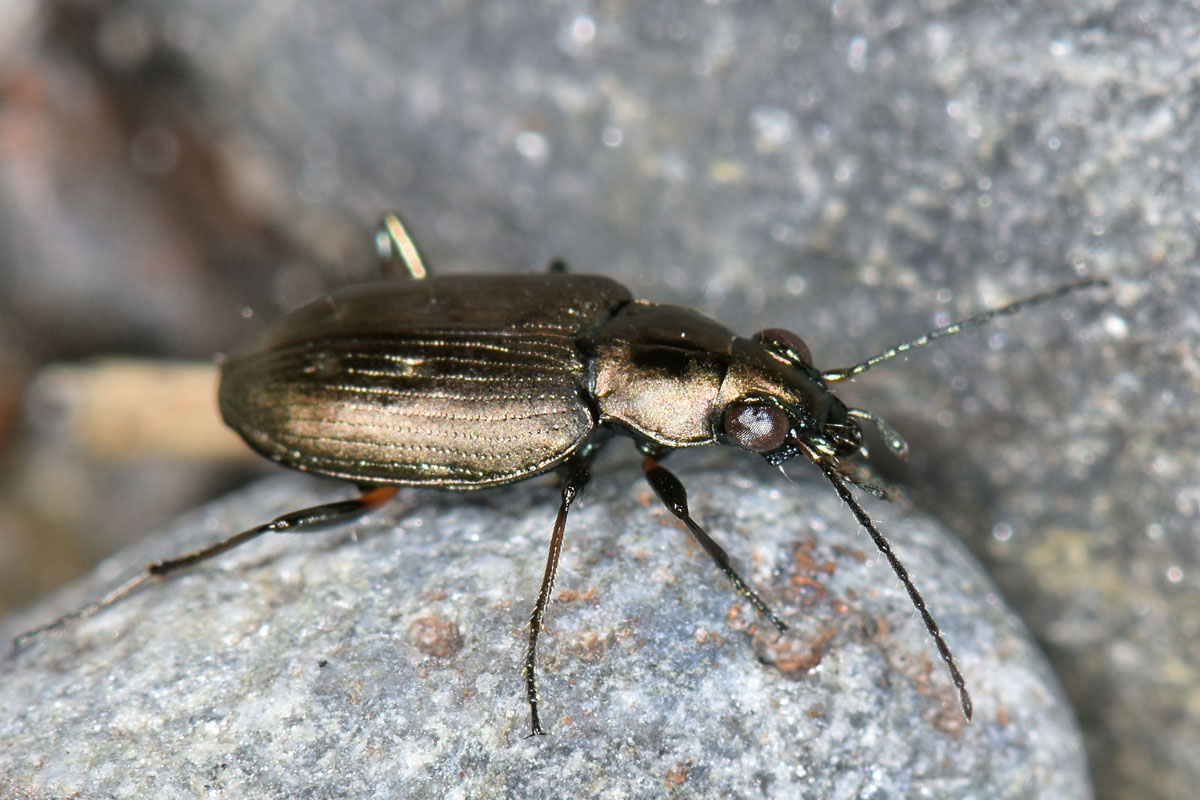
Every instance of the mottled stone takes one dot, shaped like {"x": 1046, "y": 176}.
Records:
{"x": 857, "y": 172}
{"x": 383, "y": 659}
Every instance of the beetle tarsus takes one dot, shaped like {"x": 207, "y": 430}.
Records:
{"x": 125, "y": 589}
{"x": 578, "y": 474}
{"x": 303, "y": 521}
{"x": 536, "y": 729}
{"x": 670, "y": 490}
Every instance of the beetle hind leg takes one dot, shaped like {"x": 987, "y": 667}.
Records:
{"x": 674, "y": 496}
{"x": 303, "y": 521}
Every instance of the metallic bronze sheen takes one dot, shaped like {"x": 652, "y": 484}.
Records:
{"x": 456, "y": 382}
{"x": 659, "y": 371}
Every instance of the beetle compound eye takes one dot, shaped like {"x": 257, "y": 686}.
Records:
{"x": 786, "y": 344}
{"x": 760, "y": 427}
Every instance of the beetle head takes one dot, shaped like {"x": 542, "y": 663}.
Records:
{"x": 775, "y": 402}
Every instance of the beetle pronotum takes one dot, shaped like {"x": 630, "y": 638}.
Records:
{"x": 470, "y": 381}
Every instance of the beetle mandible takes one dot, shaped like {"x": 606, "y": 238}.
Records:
{"x": 471, "y": 381}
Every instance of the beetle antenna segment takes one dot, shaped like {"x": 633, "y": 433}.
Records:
{"x": 885, "y": 547}
{"x": 578, "y": 475}
{"x": 835, "y": 375}
{"x": 674, "y": 497}
{"x": 893, "y": 439}
{"x": 303, "y": 521}
{"x": 397, "y": 249}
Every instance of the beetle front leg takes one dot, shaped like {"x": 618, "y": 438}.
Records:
{"x": 674, "y": 496}
{"x": 578, "y": 474}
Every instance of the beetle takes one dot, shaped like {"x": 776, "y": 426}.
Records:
{"x": 467, "y": 382}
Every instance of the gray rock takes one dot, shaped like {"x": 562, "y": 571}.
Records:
{"x": 383, "y": 659}
{"x": 852, "y": 171}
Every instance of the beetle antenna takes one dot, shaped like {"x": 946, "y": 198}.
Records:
{"x": 885, "y": 547}
{"x": 835, "y": 375}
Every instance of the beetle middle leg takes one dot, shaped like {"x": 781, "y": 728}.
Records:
{"x": 305, "y": 520}
{"x": 674, "y": 497}
{"x": 578, "y": 474}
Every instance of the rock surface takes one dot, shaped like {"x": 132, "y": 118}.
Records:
{"x": 383, "y": 659}
{"x": 857, "y": 172}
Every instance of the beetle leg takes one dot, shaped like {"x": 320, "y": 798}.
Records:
{"x": 397, "y": 249}
{"x": 302, "y": 521}
{"x": 578, "y": 474}
{"x": 674, "y": 496}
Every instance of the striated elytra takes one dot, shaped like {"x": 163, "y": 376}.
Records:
{"x": 470, "y": 381}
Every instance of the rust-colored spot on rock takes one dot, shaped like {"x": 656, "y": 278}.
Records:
{"x": 810, "y": 590}
{"x": 811, "y": 572}
{"x": 852, "y": 552}
{"x": 949, "y": 719}
{"x": 795, "y": 657}
{"x": 435, "y": 635}
{"x": 587, "y": 646}
{"x": 806, "y": 560}
{"x": 677, "y": 774}
{"x": 571, "y": 595}
{"x": 735, "y": 619}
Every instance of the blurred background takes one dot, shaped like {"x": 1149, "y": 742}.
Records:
{"x": 175, "y": 175}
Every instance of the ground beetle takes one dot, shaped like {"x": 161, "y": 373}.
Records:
{"x": 472, "y": 381}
